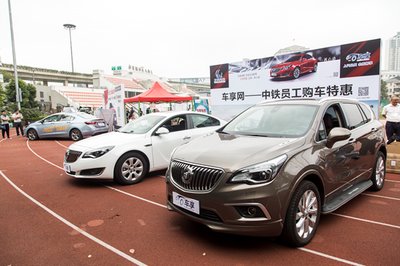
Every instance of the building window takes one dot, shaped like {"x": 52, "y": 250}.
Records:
{"x": 49, "y": 98}
{"x": 41, "y": 94}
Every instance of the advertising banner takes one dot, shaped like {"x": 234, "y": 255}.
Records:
{"x": 115, "y": 101}
{"x": 349, "y": 71}
{"x": 201, "y": 105}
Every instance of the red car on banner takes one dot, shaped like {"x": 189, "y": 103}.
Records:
{"x": 294, "y": 66}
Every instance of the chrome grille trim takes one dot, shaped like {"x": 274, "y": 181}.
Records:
{"x": 203, "y": 179}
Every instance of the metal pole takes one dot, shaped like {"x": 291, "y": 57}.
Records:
{"x": 70, "y": 44}
{"x": 17, "y": 91}
{"x": 70, "y": 27}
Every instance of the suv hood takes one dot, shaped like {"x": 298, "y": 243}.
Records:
{"x": 232, "y": 152}
{"x": 107, "y": 139}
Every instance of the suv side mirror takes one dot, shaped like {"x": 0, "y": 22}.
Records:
{"x": 161, "y": 131}
{"x": 337, "y": 134}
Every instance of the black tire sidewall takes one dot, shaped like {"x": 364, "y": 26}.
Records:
{"x": 34, "y": 133}
{"x": 294, "y": 71}
{"x": 289, "y": 233}
{"x": 78, "y": 132}
{"x": 117, "y": 170}
{"x": 375, "y": 186}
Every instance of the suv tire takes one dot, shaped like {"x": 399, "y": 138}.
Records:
{"x": 378, "y": 174}
{"x": 302, "y": 217}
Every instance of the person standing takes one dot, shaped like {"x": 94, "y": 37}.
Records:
{"x": 391, "y": 113}
{"x": 5, "y": 124}
{"x": 17, "y": 118}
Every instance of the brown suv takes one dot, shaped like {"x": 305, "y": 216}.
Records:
{"x": 277, "y": 166}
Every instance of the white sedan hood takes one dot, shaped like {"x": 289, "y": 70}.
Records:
{"x": 107, "y": 139}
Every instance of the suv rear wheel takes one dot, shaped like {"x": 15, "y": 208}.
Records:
{"x": 378, "y": 175}
{"x": 302, "y": 217}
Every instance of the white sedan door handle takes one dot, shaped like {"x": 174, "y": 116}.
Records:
{"x": 187, "y": 138}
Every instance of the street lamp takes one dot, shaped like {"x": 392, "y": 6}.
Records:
{"x": 17, "y": 90}
{"x": 70, "y": 27}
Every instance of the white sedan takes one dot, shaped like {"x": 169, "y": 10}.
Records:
{"x": 141, "y": 146}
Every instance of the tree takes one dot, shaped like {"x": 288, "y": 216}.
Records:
{"x": 28, "y": 94}
{"x": 384, "y": 92}
{"x": 6, "y": 76}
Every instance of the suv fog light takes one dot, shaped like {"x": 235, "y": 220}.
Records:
{"x": 250, "y": 211}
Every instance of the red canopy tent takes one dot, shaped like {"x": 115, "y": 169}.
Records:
{"x": 157, "y": 94}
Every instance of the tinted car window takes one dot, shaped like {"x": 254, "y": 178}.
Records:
{"x": 366, "y": 111}
{"x": 176, "y": 123}
{"x": 353, "y": 114}
{"x": 66, "y": 118}
{"x": 330, "y": 120}
{"x": 203, "y": 121}
{"x": 141, "y": 125}
{"x": 52, "y": 118}
{"x": 293, "y": 58}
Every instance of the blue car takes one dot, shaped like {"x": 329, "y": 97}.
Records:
{"x": 66, "y": 125}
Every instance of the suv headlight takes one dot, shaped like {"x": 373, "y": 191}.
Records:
{"x": 93, "y": 154}
{"x": 259, "y": 173}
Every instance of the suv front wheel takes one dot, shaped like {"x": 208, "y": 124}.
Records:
{"x": 302, "y": 217}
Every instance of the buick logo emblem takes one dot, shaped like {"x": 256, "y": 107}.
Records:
{"x": 187, "y": 175}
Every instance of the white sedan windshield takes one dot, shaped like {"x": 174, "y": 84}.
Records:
{"x": 142, "y": 125}
{"x": 273, "y": 121}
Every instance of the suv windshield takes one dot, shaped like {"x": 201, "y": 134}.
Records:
{"x": 141, "y": 125}
{"x": 278, "y": 120}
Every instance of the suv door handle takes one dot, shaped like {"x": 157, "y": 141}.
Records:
{"x": 187, "y": 137}
{"x": 374, "y": 129}
{"x": 352, "y": 140}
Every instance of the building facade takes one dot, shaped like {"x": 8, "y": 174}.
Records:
{"x": 393, "y": 53}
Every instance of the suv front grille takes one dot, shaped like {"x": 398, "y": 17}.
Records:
{"x": 195, "y": 177}
{"x": 72, "y": 156}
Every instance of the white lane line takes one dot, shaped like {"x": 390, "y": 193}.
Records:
{"x": 62, "y": 145}
{"x": 367, "y": 221}
{"x": 137, "y": 197}
{"x": 40, "y": 157}
{"x": 379, "y": 196}
{"x": 329, "y": 256}
{"x": 163, "y": 206}
{"x": 115, "y": 189}
{"x": 76, "y": 228}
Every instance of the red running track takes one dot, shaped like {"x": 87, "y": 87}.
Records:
{"x": 47, "y": 217}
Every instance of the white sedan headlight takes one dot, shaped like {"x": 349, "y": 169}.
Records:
{"x": 93, "y": 154}
{"x": 259, "y": 173}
